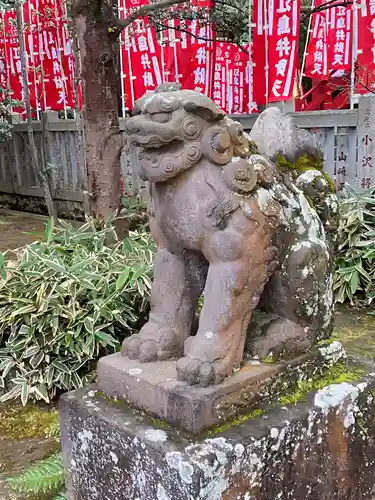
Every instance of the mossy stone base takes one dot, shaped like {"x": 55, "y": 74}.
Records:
{"x": 153, "y": 387}
{"x": 321, "y": 448}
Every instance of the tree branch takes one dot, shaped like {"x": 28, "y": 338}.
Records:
{"x": 144, "y": 10}
{"x": 183, "y": 30}
{"x": 328, "y": 5}
{"x": 198, "y": 37}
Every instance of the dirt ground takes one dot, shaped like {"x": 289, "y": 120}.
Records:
{"x": 19, "y": 228}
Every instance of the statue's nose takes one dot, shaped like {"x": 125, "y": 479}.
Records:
{"x": 131, "y": 126}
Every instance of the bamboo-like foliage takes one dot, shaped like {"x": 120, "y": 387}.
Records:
{"x": 64, "y": 302}
{"x": 355, "y": 267}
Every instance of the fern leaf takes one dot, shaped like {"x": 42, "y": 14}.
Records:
{"x": 54, "y": 430}
{"x": 41, "y": 477}
{"x": 60, "y": 496}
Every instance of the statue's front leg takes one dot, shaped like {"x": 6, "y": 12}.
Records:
{"x": 177, "y": 286}
{"x": 239, "y": 268}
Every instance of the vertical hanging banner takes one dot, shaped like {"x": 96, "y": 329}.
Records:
{"x": 330, "y": 44}
{"x": 365, "y": 72}
{"x": 56, "y": 85}
{"x": 140, "y": 56}
{"x": 192, "y": 50}
{"x": 276, "y": 40}
{"x": 283, "y": 35}
{"x": 221, "y": 75}
{"x": 4, "y": 79}
{"x": 237, "y": 80}
{"x": 34, "y": 58}
{"x": 176, "y": 50}
{"x": 13, "y": 58}
{"x": 258, "y": 70}
{"x": 251, "y": 105}
{"x": 316, "y": 65}
{"x": 340, "y": 38}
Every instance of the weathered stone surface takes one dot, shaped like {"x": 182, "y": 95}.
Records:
{"x": 153, "y": 387}
{"x": 322, "y": 449}
{"x": 275, "y": 133}
{"x": 231, "y": 224}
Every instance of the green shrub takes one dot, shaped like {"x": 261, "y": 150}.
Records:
{"x": 355, "y": 265}
{"x": 66, "y": 301}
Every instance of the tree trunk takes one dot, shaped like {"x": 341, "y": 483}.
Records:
{"x": 99, "y": 50}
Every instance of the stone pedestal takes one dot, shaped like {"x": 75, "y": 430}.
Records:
{"x": 319, "y": 449}
{"x": 153, "y": 387}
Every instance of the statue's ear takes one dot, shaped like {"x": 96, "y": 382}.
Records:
{"x": 202, "y": 106}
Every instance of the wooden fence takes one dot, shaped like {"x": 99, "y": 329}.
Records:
{"x": 344, "y": 136}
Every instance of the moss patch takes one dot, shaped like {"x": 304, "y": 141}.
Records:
{"x": 253, "y": 148}
{"x": 303, "y": 164}
{"x": 336, "y": 375}
{"x": 18, "y": 422}
{"x": 236, "y": 421}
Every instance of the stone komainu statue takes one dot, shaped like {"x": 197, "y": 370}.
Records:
{"x": 228, "y": 222}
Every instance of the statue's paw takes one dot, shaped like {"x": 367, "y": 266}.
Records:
{"x": 152, "y": 343}
{"x": 282, "y": 339}
{"x": 204, "y": 373}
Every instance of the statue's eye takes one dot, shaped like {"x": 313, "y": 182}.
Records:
{"x": 161, "y": 117}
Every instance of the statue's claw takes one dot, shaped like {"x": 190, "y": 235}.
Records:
{"x": 153, "y": 342}
{"x": 204, "y": 373}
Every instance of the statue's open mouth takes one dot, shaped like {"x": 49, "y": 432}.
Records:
{"x": 152, "y": 141}
{"x": 148, "y": 142}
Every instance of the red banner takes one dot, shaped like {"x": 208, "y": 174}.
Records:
{"x": 365, "y": 73}
{"x": 284, "y": 22}
{"x": 4, "y": 79}
{"x": 49, "y": 61}
{"x": 13, "y": 58}
{"x": 330, "y": 44}
{"x": 276, "y": 41}
{"x": 140, "y": 55}
{"x": 340, "y": 38}
{"x": 221, "y": 75}
{"x": 250, "y": 104}
{"x": 316, "y": 65}
{"x": 237, "y": 80}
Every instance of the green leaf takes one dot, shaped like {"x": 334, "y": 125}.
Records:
{"x": 48, "y": 233}
{"x": 55, "y": 266}
{"x": 41, "y": 391}
{"x": 122, "y": 279}
{"x": 43, "y": 477}
{"x": 36, "y": 359}
{"x": 106, "y": 338}
{"x": 77, "y": 381}
{"x": 23, "y": 310}
{"x": 60, "y": 366}
{"x": 354, "y": 282}
{"x": 63, "y": 302}
{"x": 24, "y": 394}
{"x": 30, "y": 351}
{"x": 6, "y": 366}
{"x": 89, "y": 325}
